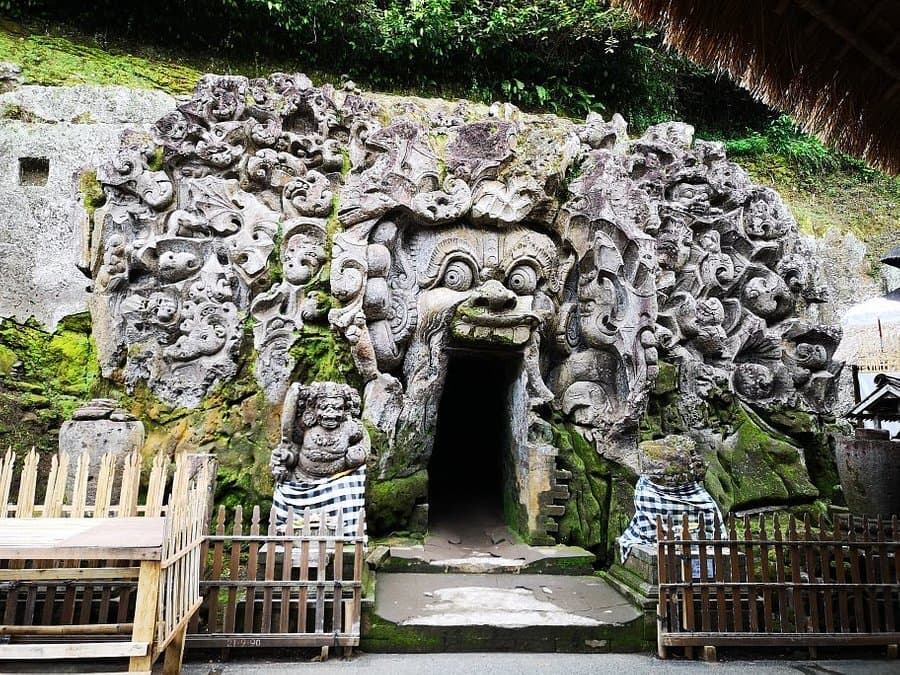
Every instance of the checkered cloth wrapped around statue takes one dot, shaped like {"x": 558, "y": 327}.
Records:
{"x": 342, "y": 497}
{"x": 651, "y": 500}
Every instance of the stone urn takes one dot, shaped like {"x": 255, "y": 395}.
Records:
{"x": 869, "y": 467}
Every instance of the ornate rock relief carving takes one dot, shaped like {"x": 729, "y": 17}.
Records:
{"x": 589, "y": 256}
{"x": 231, "y": 233}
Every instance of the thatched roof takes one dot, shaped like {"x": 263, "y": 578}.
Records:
{"x": 833, "y": 65}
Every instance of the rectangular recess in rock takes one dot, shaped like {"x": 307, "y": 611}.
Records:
{"x": 34, "y": 171}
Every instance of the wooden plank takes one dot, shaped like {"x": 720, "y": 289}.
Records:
{"x": 875, "y": 625}
{"x": 321, "y": 569}
{"x": 895, "y": 533}
{"x": 74, "y": 574}
{"x": 128, "y": 491}
{"x": 105, "y": 479}
{"x": 235, "y": 570}
{"x": 145, "y": 613}
{"x": 779, "y": 639}
{"x": 287, "y": 561}
{"x": 722, "y": 572}
{"x": 156, "y": 486}
{"x": 6, "y": 475}
{"x": 784, "y": 614}
{"x": 703, "y": 559}
{"x": 337, "y": 605}
{"x": 80, "y": 538}
{"x": 76, "y": 629}
{"x": 800, "y": 623}
{"x": 270, "y": 576}
{"x": 812, "y": 624}
{"x": 80, "y": 486}
{"x": 736, "y": 591}
{"x": 752, "y": 593}
{"x": 27, "y": 481}
{"x": 74, "y": 650}
{"x": 175, "y": 653}
{"x": 884, "y": 576}
{"x": 662, "y": 554}
{"x": 303, "y": 594}
{"x": 840, "y": 576}
{"x": 212, "y": 598}
{"x": 358, "y": 570}
{"x": 859, "y": 612}
{"x": 768, "y": 613}
{"x": 252, "y": 573}
{"x": 226, "y": 640}
{"x": 825, "y": 553}
{"x": 688, "y": 622}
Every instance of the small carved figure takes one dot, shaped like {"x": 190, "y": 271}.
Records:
{"x": 321, "y": 435}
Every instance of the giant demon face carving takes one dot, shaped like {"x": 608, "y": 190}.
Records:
{"x": 495, "y": 283}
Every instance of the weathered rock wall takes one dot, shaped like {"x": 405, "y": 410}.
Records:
{"x": 49, "y": 136}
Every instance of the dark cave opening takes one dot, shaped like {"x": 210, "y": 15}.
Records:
{"x": 471, "y": 463}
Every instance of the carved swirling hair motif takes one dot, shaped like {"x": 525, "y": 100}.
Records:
{"x": 445, "y": 251}
{"x": 536, "y": 250}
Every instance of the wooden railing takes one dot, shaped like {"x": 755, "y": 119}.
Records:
{"x": 107, "y": 590}
{"x": 801, "y": 585}
{"x": 300, "y": 587}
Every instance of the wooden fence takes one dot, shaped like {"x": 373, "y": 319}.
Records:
{"x": 801, "y": 585}
{"x": 300, "y": 587}
{"x": 102, "y": 594}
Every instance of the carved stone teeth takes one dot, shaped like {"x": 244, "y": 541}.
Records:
{"x": 521, "y": 335}
{"x": 505, "y": 334}
{"x": 481, "y": 332}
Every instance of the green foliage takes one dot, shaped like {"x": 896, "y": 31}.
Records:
{"x": 564, "y": 56}
{"x": 784, "y": 138}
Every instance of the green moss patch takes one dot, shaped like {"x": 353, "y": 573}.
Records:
{"x": 390, "y": 502}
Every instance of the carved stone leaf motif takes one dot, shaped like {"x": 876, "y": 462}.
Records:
{"x": 501, "y": 203}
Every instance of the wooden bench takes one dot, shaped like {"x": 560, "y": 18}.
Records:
{"x": 110, "y": 579}
{"x": 801, "y": 586}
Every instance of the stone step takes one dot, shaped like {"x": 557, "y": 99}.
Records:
{"x": 501, "y": 612}
{"x": 479, "y": 550}
{"x": 517, "y": 559}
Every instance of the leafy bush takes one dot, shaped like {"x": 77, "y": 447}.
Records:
{"x": 564, "y": 56}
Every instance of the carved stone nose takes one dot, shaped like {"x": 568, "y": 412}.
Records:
{"x": 494, "y": 295}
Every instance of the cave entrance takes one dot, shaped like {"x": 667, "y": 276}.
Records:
{"x": 472, "y": 469}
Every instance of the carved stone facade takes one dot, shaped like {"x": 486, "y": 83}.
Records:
{"x": 416, "y": 231}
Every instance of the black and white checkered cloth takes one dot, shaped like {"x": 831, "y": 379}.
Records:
{"x": 651, "y": 500}
{"x": 342, "y": 497}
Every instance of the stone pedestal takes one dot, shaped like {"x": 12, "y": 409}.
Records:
{"x": 98, "y": 427}
{"x": 637, "y": 578}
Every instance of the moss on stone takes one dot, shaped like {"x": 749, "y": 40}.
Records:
{"x": 90, "y": 187}
{"x": 13, "y": 111}
{"x": 44, "y": 377}
{"x": 322, "y": 354}
{"x": 380, "y": 636}
{"x": 601, "y": 494}
{"x": 56, "y": 60}
{"x": 667, "y": 380}
{"x": 390, "y": 502}
{"x": 764, "y": 467}
{"x": 155, "y": 161}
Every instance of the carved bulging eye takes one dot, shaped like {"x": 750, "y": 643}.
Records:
{"x": 458, "y": 276}
{"x": 522, "y": 280}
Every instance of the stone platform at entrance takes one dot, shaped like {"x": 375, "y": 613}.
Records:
{"x": 501, "y": 612}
